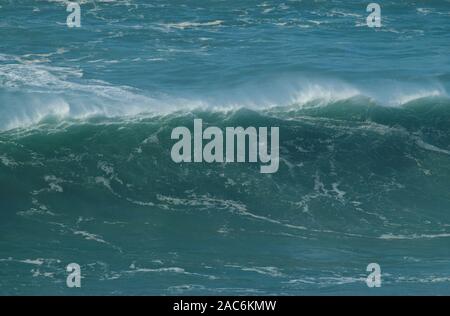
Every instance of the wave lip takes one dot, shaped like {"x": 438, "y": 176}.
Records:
{"x": 22, "y": 110}
{"x": 30, "y": 92}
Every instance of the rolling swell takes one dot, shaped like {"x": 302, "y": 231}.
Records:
{"x": 351, "y": 172}
{"x": 393, "y": 153}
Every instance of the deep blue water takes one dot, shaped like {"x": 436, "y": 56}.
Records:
{"x": 86, "y": 176}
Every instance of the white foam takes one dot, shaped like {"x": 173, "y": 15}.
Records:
{"x": 90, "y": 236}
{"x": 34, "y": 261}
{"x": 269, "y": 271}
{"x": 414, "y": 236}
{"x": 187, "y": 24}
{"x": 422, "y": 144}
{"x": 8, "y": 162}
{"x": 32, "y": 92}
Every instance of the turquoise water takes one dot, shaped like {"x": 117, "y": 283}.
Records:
{"x": 86, "y": 174}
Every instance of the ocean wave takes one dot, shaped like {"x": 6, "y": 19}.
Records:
{"x": 33, "y": 92}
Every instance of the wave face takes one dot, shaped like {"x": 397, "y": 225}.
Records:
{"x": 355, "y": 181}
{"x": 86, "y": 175}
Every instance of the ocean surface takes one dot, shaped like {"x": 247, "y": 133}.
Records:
{"x": 86, "y": 174}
